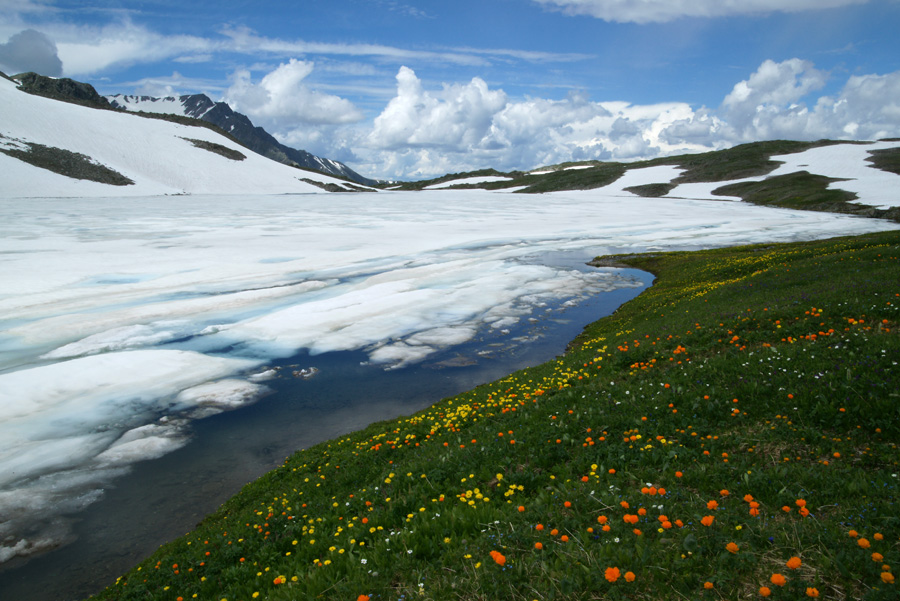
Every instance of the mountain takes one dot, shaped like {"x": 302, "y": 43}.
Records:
{"x": 200, "y": 106}
{"x": 75, "y": 148}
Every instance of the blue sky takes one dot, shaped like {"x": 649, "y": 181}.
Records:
{"x": 416, "y": 89}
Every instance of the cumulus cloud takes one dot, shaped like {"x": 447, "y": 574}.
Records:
{"x": 423, "y": 133}
{"x": 464, "y": 126}
{"x": 458, "y": 116}
{"x": 30, "y": 50}
{"x": 660, "y": 11}
{"x": 282, "y": 97}
{"x": 775, "y": 84}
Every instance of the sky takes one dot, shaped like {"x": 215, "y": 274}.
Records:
{"x": 409, "y": 90}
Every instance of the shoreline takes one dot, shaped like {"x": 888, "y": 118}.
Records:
{"x": 100, "y": 521}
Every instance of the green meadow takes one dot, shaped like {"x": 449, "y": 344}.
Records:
{"x": 729, "y": 434}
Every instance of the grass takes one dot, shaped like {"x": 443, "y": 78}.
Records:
{"x": 224, "y": 151}
{"x": 744, "y": 160}
{"x": 741, "y": 412}
{"x": 887, "y": 159}
{"x": 805, "y": 191}
{"x": 65, "y": 162}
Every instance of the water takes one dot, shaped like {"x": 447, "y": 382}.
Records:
{"x": 161, "y": 499}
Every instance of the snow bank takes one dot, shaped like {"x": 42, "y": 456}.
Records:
{"x": 154, "y": 154}
{"x": 484, "y": 179}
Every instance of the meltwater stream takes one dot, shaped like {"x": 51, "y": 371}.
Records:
{"x": 161, "y": 499}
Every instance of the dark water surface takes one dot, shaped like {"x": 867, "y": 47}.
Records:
{"x": 164, "y": 498}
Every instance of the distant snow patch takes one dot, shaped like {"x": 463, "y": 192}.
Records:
{"x": 469, "y": 180}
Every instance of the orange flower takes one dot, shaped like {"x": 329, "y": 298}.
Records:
{"x": 853, "y": 534}
{"x": 521, "y": 508}
{"x": 612, "y": 574}
{"x": 812, "y": 592}
{"x": 538, "y": 546}
{"x": 707, "y": 520}
{"x": 660, "y": 491}
{"x": 567, "y": 504}
{"x": 629, "y": 576}
{"x": 765, "y": 591}
{"x": 601, "y": 519}
{"x": 707, "y": 585}
{"x": 554, "y": 532}
{"x": 800, "y": 503}
{"x": 864, "y": 543}
{"x": 637, "y": 532}
{"x": 498, "y": 558}
{"x": 778, "y": 580}
{"x": 877, "y": 557}
{"x": 713, "y": 505}
{"x": 794, "y": 563}
{"x": 363, "y": 598}
{"x": 642, "y": 511}
{"x": 630, "y": 518}
{"x": 678, "y": 474}
{"x": 878, "y": 536}
{"x": 624, "y": 504}
{"x": 724, "y": 492}
{"x": 887, "y": 578}
{"x": 539, "y": 527}
{"x": 748, "y": 498}
{"x": 564, "y": 538}
{"x": 804, "y": 511}
{"x": 732, "y": 548}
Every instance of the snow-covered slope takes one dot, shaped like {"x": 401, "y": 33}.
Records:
{"x": 158, "y": 156}
{"x": 186, "y": 106}
{"x": 200, "y": 106}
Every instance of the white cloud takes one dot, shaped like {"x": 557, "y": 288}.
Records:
{"x": 90, "y": 50}
{"x": 30, "y": 50}
{"x": 282, "y": 98}
{"x": 775, "y": 84}
{"x": 459, "y": 116}
{"x": 661, "y": 11}
{"x": 424, "y": 133}
{"x": 768, "y": 106}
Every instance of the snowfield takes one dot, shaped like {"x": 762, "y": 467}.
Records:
{"x": 484, "y": 179}
{"x": 154, "y": 154}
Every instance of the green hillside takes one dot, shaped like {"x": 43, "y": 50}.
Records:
{"x": 799, "y": 190}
